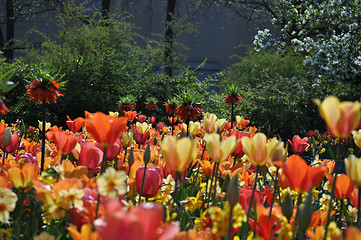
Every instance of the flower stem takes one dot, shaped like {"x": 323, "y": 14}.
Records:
{"x": 230, "y": 224}
{"x": 141, "y": 187}
{"x": 43, "y": 138}
{"x": 253, "y": 191}
{"x": 232, "y": 115}
{"x": 104, "y": 161}
{"x": 275, "y": 189}
{"x": 358, "y": 207}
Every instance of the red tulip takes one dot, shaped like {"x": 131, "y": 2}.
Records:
{"x": 152, "y": 182}
{"x": 299, "y": 145}
{"x": 64, "y": 143}
{"x": 245, "y": 197}
{"x": 75, "y": 125}
{"x": 141, "y": 118}
{"x": 239, "y": 134}
{"x": 89, "y": 155}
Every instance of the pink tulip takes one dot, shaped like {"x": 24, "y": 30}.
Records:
{"x": 299, "y": 145}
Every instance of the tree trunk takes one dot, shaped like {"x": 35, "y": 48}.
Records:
{"x": 105, "y": 8}
{"x": 10, "y": 29}
{"x": 169, "y": 38}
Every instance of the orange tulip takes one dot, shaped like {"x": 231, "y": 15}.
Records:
{"x": 343, "y": 187}
{"x": 130, "y": 115}
{"x": 105, "y": 129}
{"x": 352, "y": 233}
{"x": 64, "y": 143}
{"x": 340, "y": 117}
{"x": 23, "y": 177}
{"x": 86, "y": 233}
{"x": 300, "y": 176}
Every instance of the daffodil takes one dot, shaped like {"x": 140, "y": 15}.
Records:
{"x": 112, "y": 183}
{"x": 7, "y": 203}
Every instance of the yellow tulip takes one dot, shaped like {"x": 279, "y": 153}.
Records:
{"x": 114, "y": 114}
{"x": 357, "y": 137}
{"x": 219, "y": 150}
{"x": 47, "y": 125}
{"x": 340, "y": 117}
{"x": 194, "y": 128}
{"x": 353, "y": 169}
{"x": 258, "y": 149}
{"x": 178, "y": 154}
{"x": 127, "y": 139}
{"x": 211, "y": 123}
{"x": 142, "y": 127}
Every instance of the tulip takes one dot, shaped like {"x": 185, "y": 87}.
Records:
{"x": 340, "y": 117}
{"x": 143, "y": 127}
{"x": 9, "y": 142}
{"x": 245, "y": 197}
{"x": 47, "y": 125}
{"x": 211, "y": 124}
{"x": 88, "y": 154}
{"x": 300, "y": 176}
{"x": 153, "y": 181}
{"x": 219, "y": 150}
{"x": 258, "y": 149}
{"x": 105, "y": 129}
{"x": 141, "y": 118}
{"x": 343, "y": 187}
{"x": 64, "y": 143}
{"x": 127, "y": 139}
{"x": 23, "y": 177}
{"x": 357, "y": 137}
{"x": 353, "y": 169}
{"x": 299, "y": 145}
{"x": 239, "y": 135}
{"x": 130, "y": 115}
{"x": 178, "y": 154}
{"x": 194, "y": 128}
{"x": 75, "y": 125}
{"x": 26, "y": 158}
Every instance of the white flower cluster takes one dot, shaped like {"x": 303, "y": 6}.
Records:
{"x": 326, "y": 31}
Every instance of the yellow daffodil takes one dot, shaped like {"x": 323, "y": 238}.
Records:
{"x": 7, "y": 203}
{"x": 178, "y": 154}
{"x": 112, "y": 183}
{"x": 219, "y": 150}
{"x": 258, "y": 149}
{"x": 340, "y": 117}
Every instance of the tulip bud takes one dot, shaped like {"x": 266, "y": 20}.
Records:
{"x": 6, "y": 138}
{"x": 131, "y": 158}
{"x": 22, "y": 129}
{"x": 305, "y": 214}
{"x": 226, "y": 182}
{"x": 287, "y": 207}
{"x": 233, "y": 191}
{"x": 147, "y": 154}
{"x": 127, "y": 139}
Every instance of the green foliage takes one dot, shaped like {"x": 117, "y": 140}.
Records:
{"x": 277, "y": 96}
{"x": 101, "y": 62}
